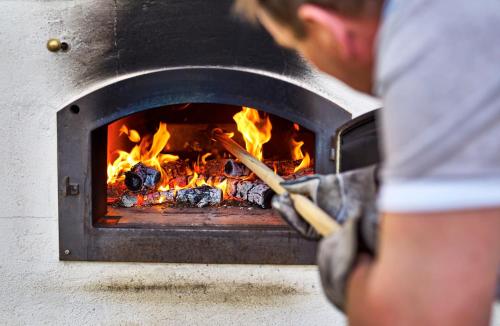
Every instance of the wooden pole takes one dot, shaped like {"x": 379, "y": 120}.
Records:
{"x": 320, "y": 220}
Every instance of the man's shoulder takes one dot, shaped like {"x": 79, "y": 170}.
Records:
{"x": 437, "y": 73}
{"x": 423, "y": 19}
{"x": 412, "y": 30}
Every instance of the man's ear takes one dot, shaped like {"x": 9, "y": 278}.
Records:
{"x": 328, "y": 26}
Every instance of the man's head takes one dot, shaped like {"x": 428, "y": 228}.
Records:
{"x": 337, "y": 36}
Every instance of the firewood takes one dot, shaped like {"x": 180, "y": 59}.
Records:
{"x": 214, "y": 167}
{"x": 320, "y": 220}
{"x": 180, "y": 181}
{"x": 128, "y": 200}
{"x": 254, "y": 192}
{"x": 282, "y": 167}
{"x": 200, "y": 197}
{"x": 159, "y": 197}
{"x": 233, "y": 168}
{"x": 176, "y": 169}
{"x": 299, "y": 174}
{"x": 260, "y": 195}
{"x": 116, "y": 189}
{"x": 142, "y": 177}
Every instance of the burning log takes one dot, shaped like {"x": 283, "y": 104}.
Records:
{"x": 214, "y": 168}
{"x": 200, "y": 197}
{"x": 320, "y": 220}
{"x": 282, "y": 167}
{"x": 116, "y": 189}
{"x": 159, "y": 197}
{"x": 233, "y": 168}
{"x": 255, "y": 192}
{"x": 176, "y": 169}
{"x": 299, "y": 174}
{"x": 142, "y": 177}
{"x": 180, "y": 181}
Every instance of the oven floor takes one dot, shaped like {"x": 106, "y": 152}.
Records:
{"x": 162, "y": 217}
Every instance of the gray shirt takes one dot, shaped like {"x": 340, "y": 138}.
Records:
{"x": 438, "y": 73}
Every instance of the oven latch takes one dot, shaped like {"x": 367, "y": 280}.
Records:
{"x": 70, "y": 189}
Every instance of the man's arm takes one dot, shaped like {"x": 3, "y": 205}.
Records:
{"x": 431, "y": 269}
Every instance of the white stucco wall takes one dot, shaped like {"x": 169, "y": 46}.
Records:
{"x": 35, "y": 287}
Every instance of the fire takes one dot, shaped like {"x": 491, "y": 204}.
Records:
{"x": 152, "y": 157}
{"x": 191, "y": 183}
{"x": 296, "y": 149}
{"x": 306, "y": 162}
{"x": 256, "y": 131}
{"x": 204, "y": 158}
{"x": 132, "y": 134}
{"x": 153, "y": 154}
{"x": 298, "y": 155}
{"x": 222, "y": 186}
{"x": 176, "y": 173}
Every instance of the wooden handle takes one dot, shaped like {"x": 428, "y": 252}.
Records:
{"x": 317, "y": 217}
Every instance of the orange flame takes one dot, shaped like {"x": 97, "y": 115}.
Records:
{"x": 132, "y": 134}
{"x": 204, "y": 158}
{"x": 256, "y": 131}
{"x": 298, "y": 155}
{"x": 275, "y": 167}
{"x": 152, "y": 157}
{"x": 296, "y": 149}
{"x": 152, "y": 154}
{"x": 222, "y": 185}
{"x": 306, "y": 162}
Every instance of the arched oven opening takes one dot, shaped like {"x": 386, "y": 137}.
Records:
{"x": 142, "y": 179}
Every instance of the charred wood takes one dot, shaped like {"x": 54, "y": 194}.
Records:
{"x": 200, "y": 197}
{"x": 255, "y": 192}
{"x": 299, "y": 174}
{"x": 176, "y": 169}
{"x": 128, "y": 200}
{"x": 214, "y": 167}
{"x": 232, "y": 168}
{"x": 180, "y": 181}
{"x": 159, "y": 197}
{"x": 116, "y": 189}
{"x": 142, "y": 177}
{"x": 283, "y": 167}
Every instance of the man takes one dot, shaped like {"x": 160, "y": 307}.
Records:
{"x": 435, "y": 64}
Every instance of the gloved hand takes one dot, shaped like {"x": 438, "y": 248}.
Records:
{"x": 339, "y": 252}
{"x": 350, "y": 199}
{"x": 342, "y": 196}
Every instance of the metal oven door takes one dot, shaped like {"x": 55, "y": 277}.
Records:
{"x": 356, "y": 143}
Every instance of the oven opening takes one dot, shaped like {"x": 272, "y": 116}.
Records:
{"x": 161, "y": 168}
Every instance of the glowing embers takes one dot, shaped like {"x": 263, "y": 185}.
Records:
{"x": 157, "y": 170}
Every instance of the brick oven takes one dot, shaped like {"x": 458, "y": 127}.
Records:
{"x": 140, "y": 177}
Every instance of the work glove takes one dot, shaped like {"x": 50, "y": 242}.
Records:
{"x": 342, "y": 196}
{"x": 350, "y": 199}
